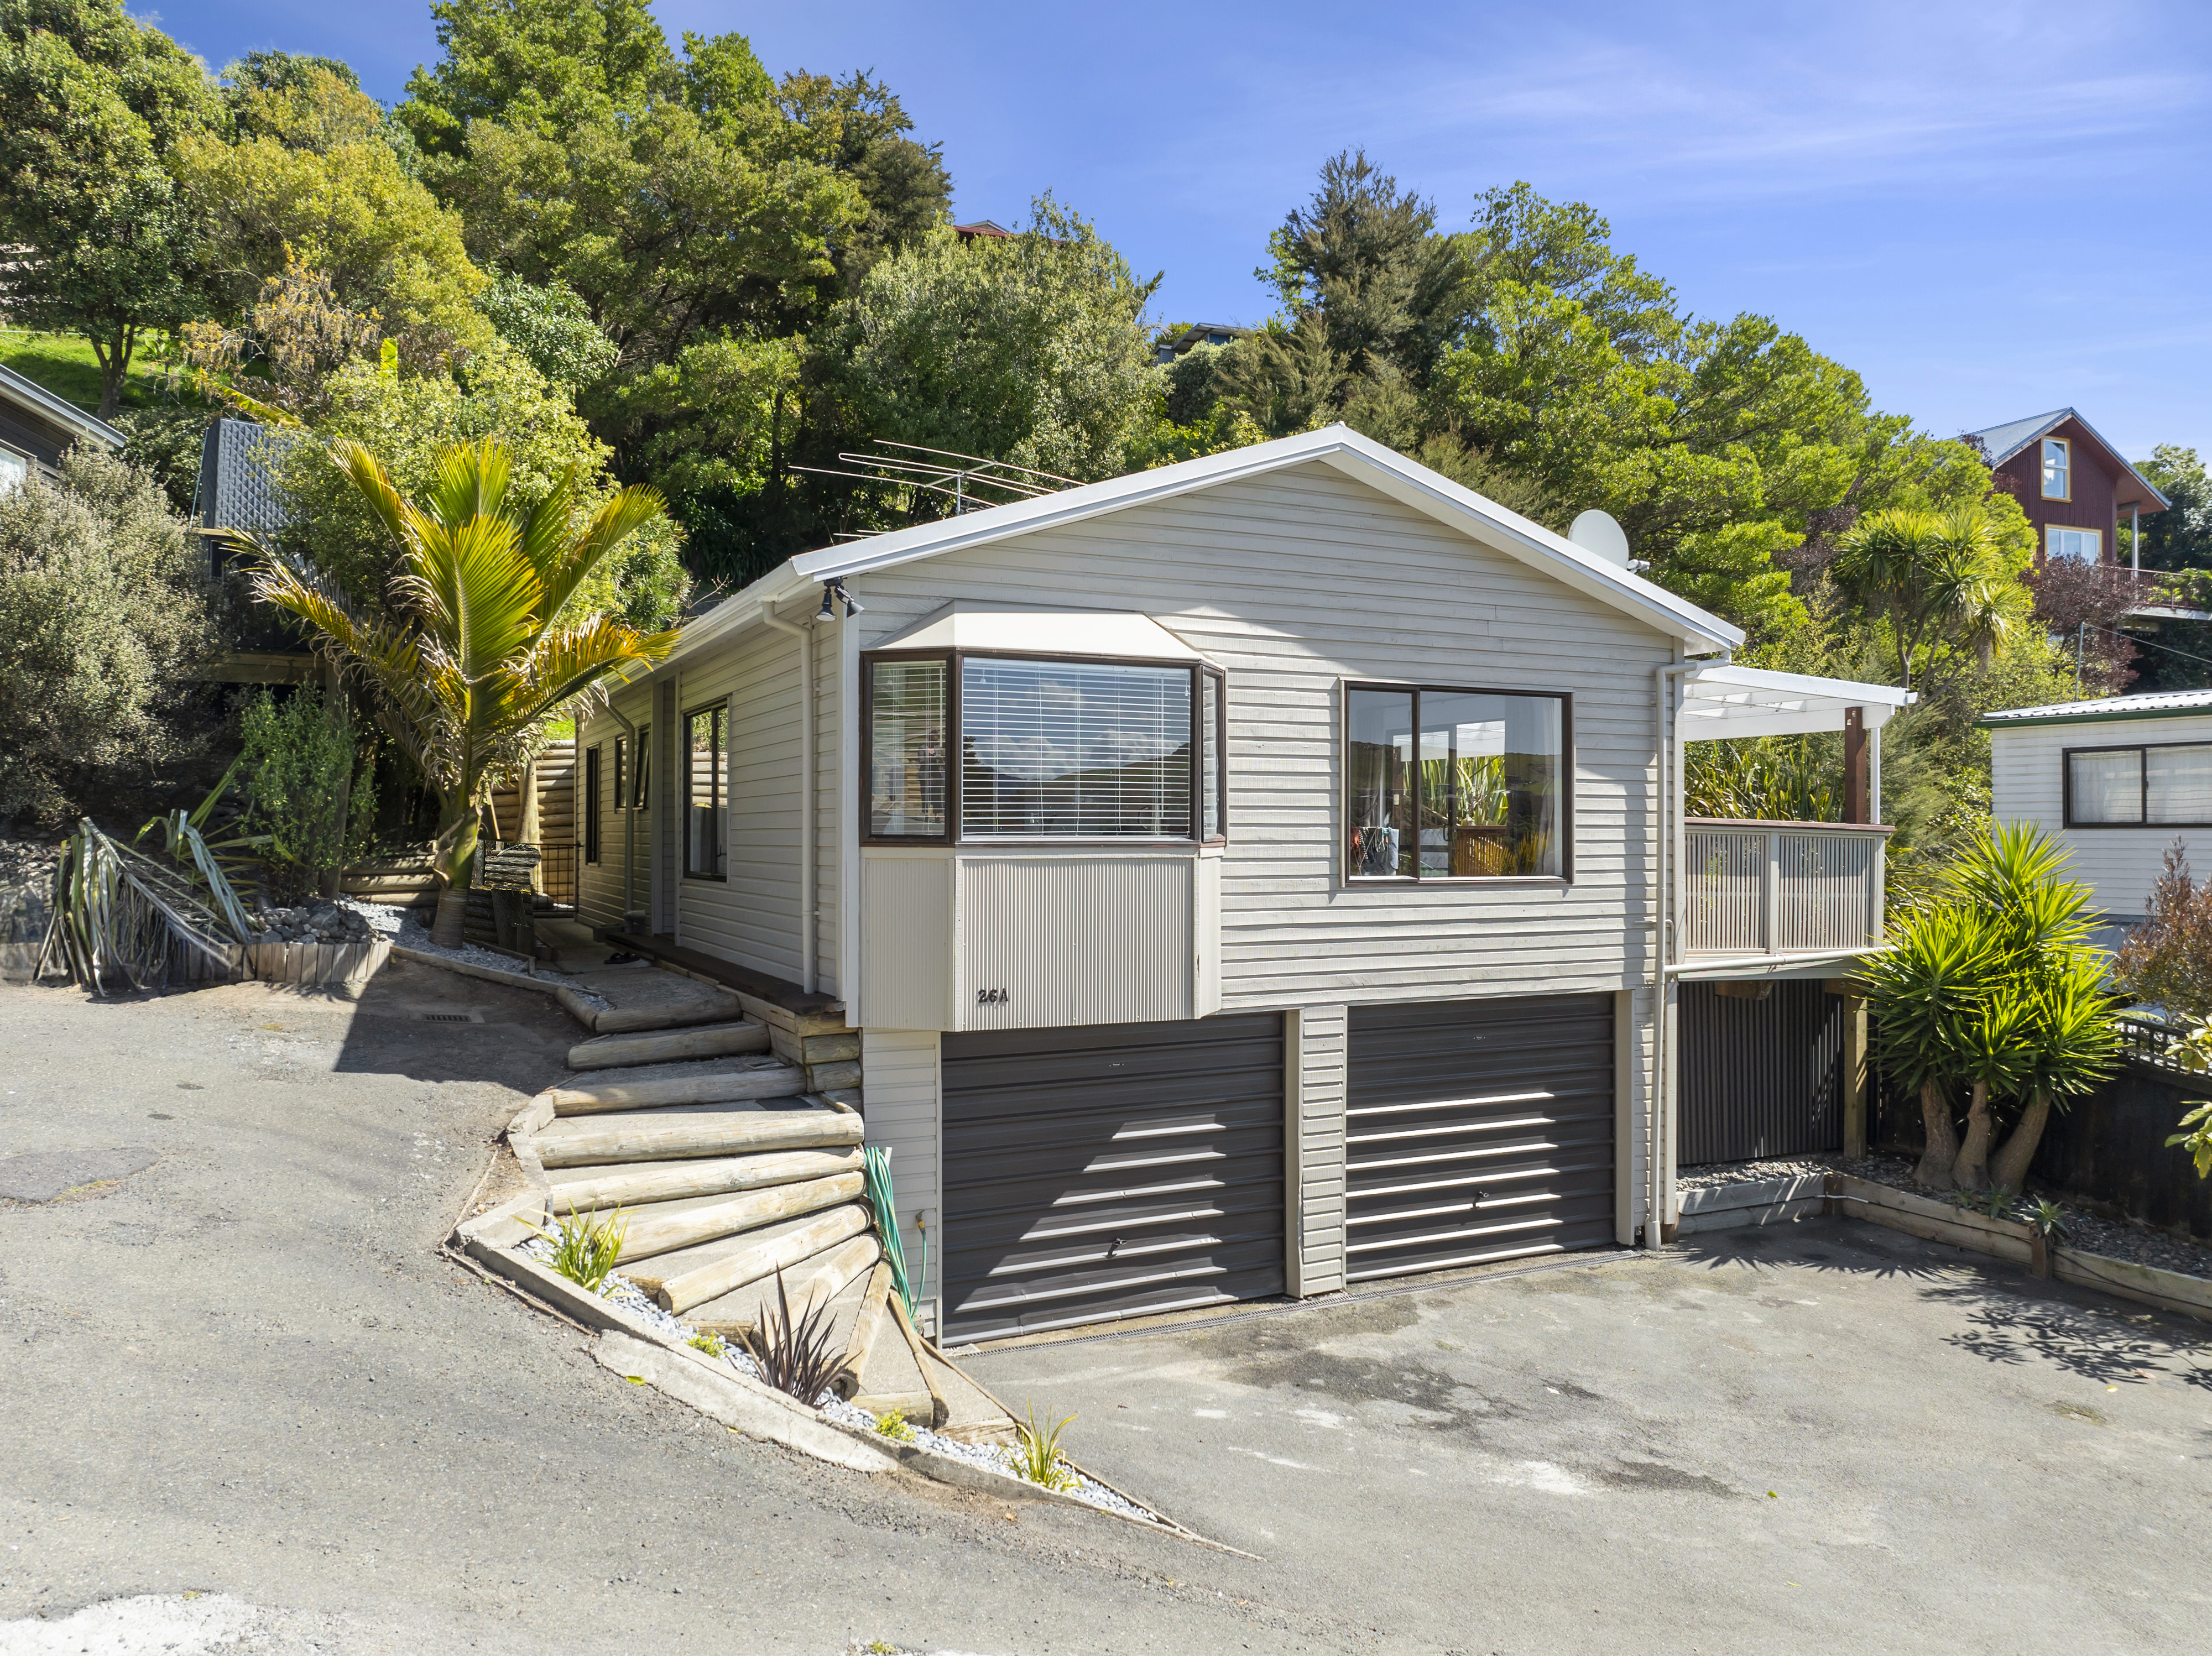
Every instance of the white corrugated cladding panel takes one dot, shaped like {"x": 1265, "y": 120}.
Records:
{"x": 2027, "y": 785}
{"x": 1295, "y": 582}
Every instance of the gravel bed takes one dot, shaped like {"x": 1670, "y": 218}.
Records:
{"x": 2115, "y": 1238}
{"x": 403, "y": 929}
{"x": 619, "y": 1290}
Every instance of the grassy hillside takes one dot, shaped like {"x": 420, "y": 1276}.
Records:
{"x": 65, "y": 366}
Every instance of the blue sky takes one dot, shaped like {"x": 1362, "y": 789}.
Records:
{"x": 1986, "y": 210}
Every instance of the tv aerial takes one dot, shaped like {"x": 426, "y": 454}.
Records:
{"x": 970, "y": 481}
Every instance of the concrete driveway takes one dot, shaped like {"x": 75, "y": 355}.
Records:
{"x": 241, "y": 1368}
{"x": 1778, "y": 1439}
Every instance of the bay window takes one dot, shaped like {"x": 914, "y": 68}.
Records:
{"x": 998, "y": 748}
{"x": 1445, "y": 784}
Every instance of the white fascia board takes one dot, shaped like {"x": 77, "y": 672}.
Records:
{"x": 733, "y": 614}
{"x": 1358, "y": 457}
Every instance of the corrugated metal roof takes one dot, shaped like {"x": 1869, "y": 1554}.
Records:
{"x": 2165, "y": 704}
{"x": 237, "y": 488}
{"x": 2002, "y": 442}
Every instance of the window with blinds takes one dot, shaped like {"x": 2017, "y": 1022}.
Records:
{"x": 907, "y": 725}
{"x": 1074, "y": 750}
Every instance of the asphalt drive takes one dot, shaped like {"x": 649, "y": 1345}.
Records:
{"x": 242, "y": 1369}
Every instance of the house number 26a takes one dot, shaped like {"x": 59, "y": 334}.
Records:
{"x": 994, "y": 997}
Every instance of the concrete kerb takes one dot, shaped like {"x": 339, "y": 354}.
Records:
{"x": 627, "y": 1345}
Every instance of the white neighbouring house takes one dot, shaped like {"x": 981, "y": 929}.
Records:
{"x": 2117, "y": 782}
{"x": 1243, "y": 877}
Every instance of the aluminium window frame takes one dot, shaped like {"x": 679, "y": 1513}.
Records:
{"x": 953, "y": 835}
{"x": 2142, "y": 822}
{"x": 2095, "y": 535}
{"x": 2041, "y": 469}
{"x": 1347, "y": 881}
{"x": 719, "y": 711}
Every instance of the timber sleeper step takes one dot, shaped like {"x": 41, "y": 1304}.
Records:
{"x": 763, "y": 1078}
{"x": 693, "y": 1130}
{"x": 657, "y": 1230}
{"x": 573, "y": 1190}
{"x": 667, "y": 1045}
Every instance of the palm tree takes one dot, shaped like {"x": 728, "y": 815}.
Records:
{"x": 483, "y": 642}
{"x": 1927, "y": 571}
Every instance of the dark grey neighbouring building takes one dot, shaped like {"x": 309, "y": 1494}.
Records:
{"x": 237, "y": 494}
{"x": 37, "y": 427}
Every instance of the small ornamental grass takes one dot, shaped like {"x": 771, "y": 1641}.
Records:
{"x": 585, "y": 1248}
{"x": 1036, "y": 1454}
{"x": 2044, "y": 1216}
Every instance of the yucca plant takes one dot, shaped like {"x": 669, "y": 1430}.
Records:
{"x": 585, "y": 1248}
{"x": 1036, "y": 1454}
{"x": 796, "y": 1357}
{"x": 483, "y": 646}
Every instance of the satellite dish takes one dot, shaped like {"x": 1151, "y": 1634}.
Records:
{"x": 1599, "y": 533}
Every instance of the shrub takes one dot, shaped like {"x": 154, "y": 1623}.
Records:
{"x": 585, "y": 1248}
{"x": 103, "y": 618}
{"x": 1036, "y": 1456}
{"x": 299, "y": 761}
{"x": 2168, "y": 960}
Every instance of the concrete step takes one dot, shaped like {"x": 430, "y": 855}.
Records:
{"x": 688, "y": 1132}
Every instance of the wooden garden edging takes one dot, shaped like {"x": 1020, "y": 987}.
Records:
{"x": 2008, "y": 1239}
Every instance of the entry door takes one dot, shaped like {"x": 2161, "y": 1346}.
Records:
{"x": 1477, "y": 1130}
{"x": 1110, "y": 1171}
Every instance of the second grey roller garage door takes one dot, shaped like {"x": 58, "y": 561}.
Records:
{"x": 1110, "y": 1172}
{"x": 1477, "y": 1130}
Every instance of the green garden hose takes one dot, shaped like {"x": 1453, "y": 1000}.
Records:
{"x": 878, "y": 1177}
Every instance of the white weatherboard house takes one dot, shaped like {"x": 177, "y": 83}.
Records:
{"x": 1236, "y": 879}
{"x": 2116, "y": 782}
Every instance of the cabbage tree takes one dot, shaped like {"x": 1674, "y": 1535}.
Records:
{"x": 481, "y": 642}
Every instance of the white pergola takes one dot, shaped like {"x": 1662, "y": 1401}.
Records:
{"x": 1722, "y": 701}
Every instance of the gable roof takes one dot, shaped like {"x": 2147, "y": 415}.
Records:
{"x": 2004, "y": 441}
{"x": 28, "y": 392}
{"x": 1338, "y": 446}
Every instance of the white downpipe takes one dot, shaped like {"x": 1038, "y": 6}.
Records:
{"x": 810, "y": 895}
{"x": 1667, "y": 695}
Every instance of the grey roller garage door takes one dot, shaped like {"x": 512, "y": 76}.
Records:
{"x": 1110, "y": 1172}
{"x": 1478, "y": 1130}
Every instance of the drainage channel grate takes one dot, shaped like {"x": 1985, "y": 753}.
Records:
{"x": 450, "y": 1017}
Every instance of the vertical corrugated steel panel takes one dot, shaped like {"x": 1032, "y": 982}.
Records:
{"x": 1478, "y": 1130}
{"x": 1052, "y": 942}
{"x": 1110, "y": 1172}
{"x": 1761, "y": 1078}
{"x": 906, "y": 939}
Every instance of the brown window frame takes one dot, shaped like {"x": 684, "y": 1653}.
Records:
{"x": 1348, "y": 881}
{"x": 2142, "y": 820}
{"x": 954, "y": 660}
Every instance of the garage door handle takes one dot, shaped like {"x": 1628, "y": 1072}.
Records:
{"x": 1114, "y": 1247}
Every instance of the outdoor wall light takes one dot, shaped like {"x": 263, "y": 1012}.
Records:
{"x": 835, "y": 590}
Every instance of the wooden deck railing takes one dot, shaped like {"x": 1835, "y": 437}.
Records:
{"x": 1780, "y": 887}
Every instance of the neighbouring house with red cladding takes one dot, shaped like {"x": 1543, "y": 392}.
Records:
{"x": 2075, "y": 488}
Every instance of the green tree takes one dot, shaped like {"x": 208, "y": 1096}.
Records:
{"x": 297, "y": 759}
{"x": 2179, "y": 538}
{"x": 412, "y": 420}
{"x": 490, "y": 639}
{"x": 1941, "y": 575}
{"x": 1032, "y": 349}
{"x": 103, "y": 618}
{"x": 92, "y": 102}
